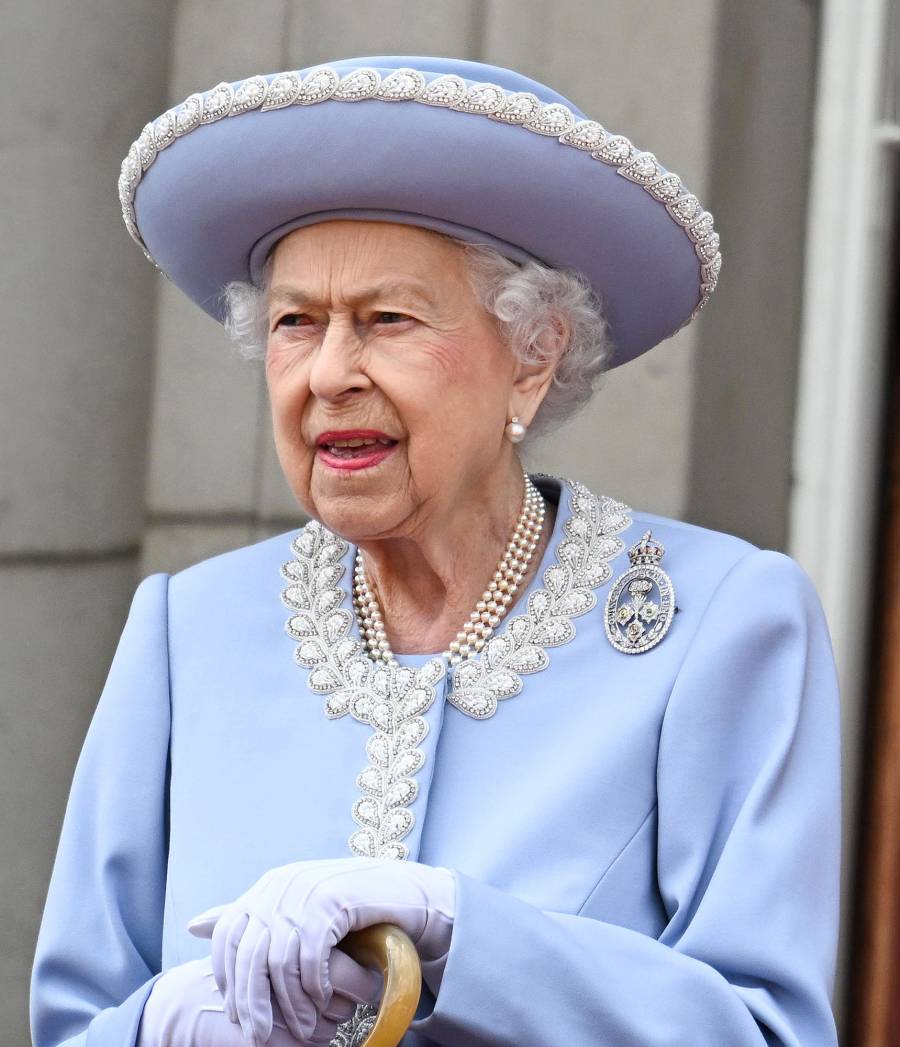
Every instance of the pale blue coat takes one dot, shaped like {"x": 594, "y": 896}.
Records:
{"x": 646, "y": 846}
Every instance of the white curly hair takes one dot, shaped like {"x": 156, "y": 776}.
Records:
{"x": 531, "y": 302}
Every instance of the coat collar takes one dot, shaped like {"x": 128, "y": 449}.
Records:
{"x": 394, "y": 701}
{"x": 328, "y": 644}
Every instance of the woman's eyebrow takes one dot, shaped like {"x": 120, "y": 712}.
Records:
{"x": 400, "y": 289}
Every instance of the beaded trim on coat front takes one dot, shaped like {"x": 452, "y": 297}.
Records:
{"x": 520, "y": 108}
{"x": 393, "y": 700}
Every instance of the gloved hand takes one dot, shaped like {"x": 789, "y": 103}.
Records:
{"x": 282, "y": 932}
{"x": 186, "y": 1007}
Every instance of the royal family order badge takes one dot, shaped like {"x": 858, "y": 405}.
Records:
{"x": 641, "y": 604}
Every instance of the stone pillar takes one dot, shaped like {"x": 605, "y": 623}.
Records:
{"x": 79, "y": 314}
{"x": 742, "y": 441}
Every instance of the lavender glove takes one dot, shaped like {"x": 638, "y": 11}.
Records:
{"x": 186, "y": 1007}
{"x": 282, "y": 933}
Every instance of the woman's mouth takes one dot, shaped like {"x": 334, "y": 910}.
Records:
{"x": 353, "y": 449}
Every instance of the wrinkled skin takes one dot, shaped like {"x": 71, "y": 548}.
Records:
{"x": 376, "y": 326}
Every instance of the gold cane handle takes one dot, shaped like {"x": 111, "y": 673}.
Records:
{"x": 391, "y": 951}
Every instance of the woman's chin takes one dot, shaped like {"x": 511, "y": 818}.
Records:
{"x": 360, "y": 477}
{"x": 357, "y": 511}
{"x": 354, "y": 526}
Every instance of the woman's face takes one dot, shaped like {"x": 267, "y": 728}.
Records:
{"x": 389, "y": 384}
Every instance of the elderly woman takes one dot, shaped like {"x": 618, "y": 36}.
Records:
{"x": 584, "y": 757}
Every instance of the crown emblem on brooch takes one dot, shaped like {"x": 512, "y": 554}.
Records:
{"x": 641, "y": 603}
{"x": 647, "y": 550}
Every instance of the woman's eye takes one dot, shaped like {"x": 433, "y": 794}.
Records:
{"x": 293, "y": 320}
{"x": 390, "y": 318}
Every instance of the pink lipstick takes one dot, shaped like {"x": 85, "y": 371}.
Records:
{"x": 353, "y": 449}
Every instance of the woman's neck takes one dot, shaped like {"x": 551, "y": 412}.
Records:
{"x": 428, "y": 583}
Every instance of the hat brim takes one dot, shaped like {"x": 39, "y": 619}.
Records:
{"x": 225, "y": 187}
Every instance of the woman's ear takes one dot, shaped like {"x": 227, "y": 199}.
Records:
{"x": 533, "y": 378}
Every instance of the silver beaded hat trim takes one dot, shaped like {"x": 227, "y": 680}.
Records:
{"x": 521, "y": 108}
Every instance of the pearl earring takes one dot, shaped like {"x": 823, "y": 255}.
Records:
{"x": 515, "y": 430}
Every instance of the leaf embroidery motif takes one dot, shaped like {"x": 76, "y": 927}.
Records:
{"x": 582, "y": 564}
{"x": 393, "y": 701}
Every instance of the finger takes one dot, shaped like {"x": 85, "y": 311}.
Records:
{"x": 252, "y": 999}
{"x": 284, "y": 973}
{"x": 203, "y": 924}
{"x": 225, "y": 940}
{"x": 218, "y": 943}
{"x": 314, "y": 951}
{"x": 277, "y": 1017}
{"x": 353, "y": 981}
{"x": 339, "y": 1010}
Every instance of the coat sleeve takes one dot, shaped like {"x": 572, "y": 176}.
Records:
{"x": 99, "y": 947}
{"x": 748, "y": 798}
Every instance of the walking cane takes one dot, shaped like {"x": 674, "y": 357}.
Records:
{"x": 391, "y": 951}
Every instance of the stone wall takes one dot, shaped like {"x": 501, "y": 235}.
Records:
{"x": 78, "y": 344}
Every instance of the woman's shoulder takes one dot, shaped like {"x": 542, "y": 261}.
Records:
{"x": 682, "y": 543}
{"x": 713, "y": 570}
{"x": 237, "y": 571}
{"x": 702, "y": 563}
{"x": 708, "y": 551}
{"x": 604, "y": 512}
{"x": 690, "y": 537}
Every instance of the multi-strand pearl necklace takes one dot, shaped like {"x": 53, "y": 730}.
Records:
{"x": 489, "y": 610}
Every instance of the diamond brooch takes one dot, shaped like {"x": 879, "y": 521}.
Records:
{"x": 641, "y": 605}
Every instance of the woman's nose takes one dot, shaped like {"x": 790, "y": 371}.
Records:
{"x": 337, "y": 366}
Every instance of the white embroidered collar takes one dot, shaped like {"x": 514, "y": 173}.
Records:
{"x": 393, "y": 701}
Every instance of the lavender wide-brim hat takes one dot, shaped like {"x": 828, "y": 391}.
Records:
{"x": 472, "y": 150}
